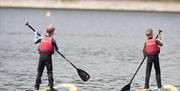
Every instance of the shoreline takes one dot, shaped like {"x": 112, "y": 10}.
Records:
{"x": 96, "y": 5}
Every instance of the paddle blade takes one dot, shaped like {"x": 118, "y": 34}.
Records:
{"x": 126, "y": 88}
{"x": 84, "y": 75}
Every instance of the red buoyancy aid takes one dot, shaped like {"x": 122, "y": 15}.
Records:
{"x": 151, "y": 47}
{"x": 46, "y": 45}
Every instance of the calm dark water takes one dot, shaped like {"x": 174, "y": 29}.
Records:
{"x": 106, "y": 44}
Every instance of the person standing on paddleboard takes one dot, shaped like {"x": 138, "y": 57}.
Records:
{"x": 46, "y": 48}
{"x": 151, "y": 51}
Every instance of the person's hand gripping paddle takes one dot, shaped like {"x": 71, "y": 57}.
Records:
{"x": 128, "y": 86}
{"x": 83, "y": 75}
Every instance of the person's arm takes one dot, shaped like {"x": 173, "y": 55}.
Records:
{"x": 159, "y": 40}
{"x": 55, "y": 44}
{"x": 37, "y": 38}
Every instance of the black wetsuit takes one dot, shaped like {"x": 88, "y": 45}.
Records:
{"x": 153, "y": 59}
{"x": 42, "y": 64}
{"x": 45, "y": 60}
{"x": 150, "y": 61}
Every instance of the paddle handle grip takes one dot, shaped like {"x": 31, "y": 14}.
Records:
{"x": 158, "y": 33}
{"x": 27, "y": 24}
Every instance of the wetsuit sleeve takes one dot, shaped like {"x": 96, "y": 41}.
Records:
{"x": 37, "y": 38}
{"x": 55, "y": 44}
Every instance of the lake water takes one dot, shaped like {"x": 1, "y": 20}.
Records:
{"x": 106, "y": 44}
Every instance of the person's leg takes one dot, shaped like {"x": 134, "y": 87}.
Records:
{"x": 39, "y": 74}
{"x": 158, "y": 72}
{"x": 148, "y": 73}
{"x": 49, "y": 67}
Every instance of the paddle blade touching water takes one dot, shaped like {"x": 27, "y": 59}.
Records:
{"x": 127, "y": 87}
{"x": 84, "y": 75}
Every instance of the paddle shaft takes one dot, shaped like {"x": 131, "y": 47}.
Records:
{"x": 143, "y": 60}
{"x": 57, "y": 51}
{"x": 66, "y": 59}
{"x": 138, "y": 69}
{"x": 27, "y": 24}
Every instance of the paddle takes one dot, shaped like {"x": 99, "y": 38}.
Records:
{"x": 83, "y": 75}
{"x": 128, "y": 86}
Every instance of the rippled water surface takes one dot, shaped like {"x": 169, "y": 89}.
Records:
{"x": 106, "y": 44}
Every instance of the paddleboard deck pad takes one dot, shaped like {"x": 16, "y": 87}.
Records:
{"x": 60, "y": 87}
{"x": 165, "y": 88}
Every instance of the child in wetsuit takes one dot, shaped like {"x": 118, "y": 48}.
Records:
{"x": 151, "y": 51}
{"x": 46, "y": 48}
